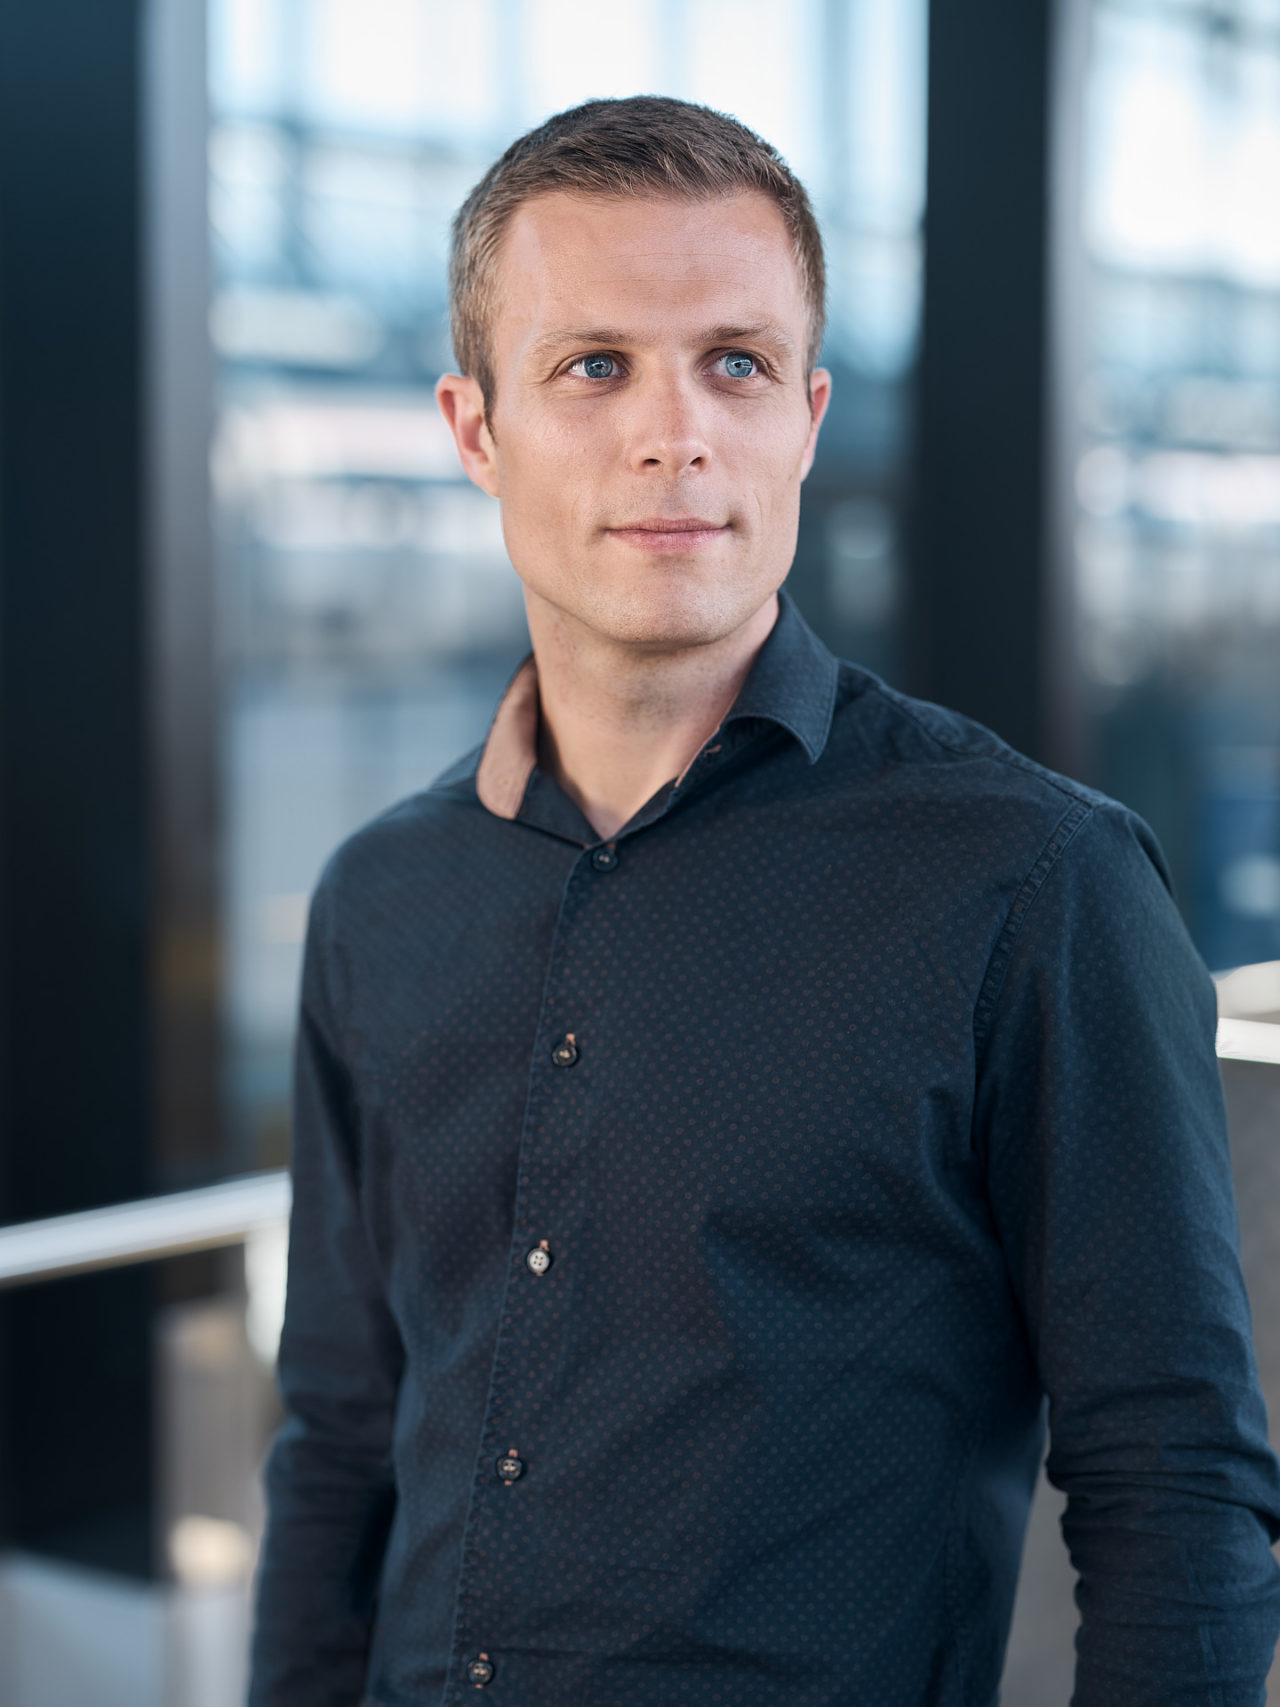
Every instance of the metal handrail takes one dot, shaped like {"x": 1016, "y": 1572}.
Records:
{"x": 228, "y": 1213}
{"x": 182, "y": 1221}
{"x": 1248, "y": 1040}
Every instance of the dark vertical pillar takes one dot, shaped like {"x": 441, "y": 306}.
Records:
{"x": 90, "y": 441}
{"x": 984, "y": 612}
{"x": 177, "y": 388}
{"x": 72, "y": 746}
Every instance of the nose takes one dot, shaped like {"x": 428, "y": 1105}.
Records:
{"x": 667, "y": 430}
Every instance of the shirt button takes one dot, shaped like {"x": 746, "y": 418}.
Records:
{"x": 480, "y": 1671}
{"x": 565, "y": 1052}
{"x": 538, "y": 1260}
{"x": 511, "y": 1468}
{"x": 604, "y": 859}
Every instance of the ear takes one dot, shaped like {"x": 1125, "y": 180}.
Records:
{"x": 462, "y": 405}
{"x": 819, "y": 397}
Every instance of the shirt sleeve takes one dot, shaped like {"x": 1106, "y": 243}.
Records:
{"x": 1100, "y": 1116}
{"x": 328, "y": 1475}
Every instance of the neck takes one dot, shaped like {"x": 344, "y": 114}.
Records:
{"x": 617, "y": 722}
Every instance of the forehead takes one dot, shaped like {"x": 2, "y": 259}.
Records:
{"x": 576, "y": 260}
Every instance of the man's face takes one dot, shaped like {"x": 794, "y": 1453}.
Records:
{"x": 651, "y": 421}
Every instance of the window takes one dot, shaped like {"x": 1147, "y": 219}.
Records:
{"x": 1178, "y": 480}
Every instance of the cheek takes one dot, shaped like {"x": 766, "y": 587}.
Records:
{"x": 544, "y": 482}
{"x": 777, "y": 430}
{"x": 770, "y": 455}
{"x": 553, "y": 452}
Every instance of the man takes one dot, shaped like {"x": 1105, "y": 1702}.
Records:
{"x": 734, "y": 1096}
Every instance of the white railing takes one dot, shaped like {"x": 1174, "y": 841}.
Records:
{"x": 1248, "y": 1040}
{"x": 201, "y": 1220}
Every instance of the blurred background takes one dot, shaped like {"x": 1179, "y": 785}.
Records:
{"x": 247, "y": 600}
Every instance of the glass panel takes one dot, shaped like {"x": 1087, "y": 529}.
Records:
{"x": 1178, "y": 481}
{"x": 368, "y": 612}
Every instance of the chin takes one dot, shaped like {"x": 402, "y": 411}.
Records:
{"x": 669, "y": 613}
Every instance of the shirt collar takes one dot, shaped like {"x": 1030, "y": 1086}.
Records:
{"x": 792, "y": 682}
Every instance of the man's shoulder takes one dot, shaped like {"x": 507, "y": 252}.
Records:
{"x": 921, "y": 744}
{"x": 928, "y": 761}
{"x": 405, "y": 842}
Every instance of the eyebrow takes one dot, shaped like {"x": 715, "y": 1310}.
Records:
{"x": 763, "y": 331}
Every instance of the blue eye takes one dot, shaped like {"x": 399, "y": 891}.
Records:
{"x": 739, "y": 366}
{"x": 596, "y": 367}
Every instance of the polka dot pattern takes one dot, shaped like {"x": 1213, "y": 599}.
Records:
{"x": 866, "y": 1097}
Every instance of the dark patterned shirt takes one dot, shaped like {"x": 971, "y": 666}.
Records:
{"x": 692, "y": 1230}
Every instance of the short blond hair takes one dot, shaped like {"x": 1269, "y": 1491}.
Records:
{"x": 644, "y": 145}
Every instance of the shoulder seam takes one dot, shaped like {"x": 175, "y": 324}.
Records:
{"x": 1062, "y": 833}
{"x": 1010, "y": 756}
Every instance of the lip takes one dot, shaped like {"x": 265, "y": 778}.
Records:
{"x": 670, "y": 533}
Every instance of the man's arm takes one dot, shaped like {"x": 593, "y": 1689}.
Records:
{"x": 1100, "y": 1114}
{"x": 329, "y": 1485}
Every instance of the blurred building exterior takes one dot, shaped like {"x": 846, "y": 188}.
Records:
{"x": 247, "y": 598}
{"x": 1177, "y": 546}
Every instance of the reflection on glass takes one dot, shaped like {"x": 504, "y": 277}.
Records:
{"x": 1178, "y": 483}
{"x": 368, "y": 612}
